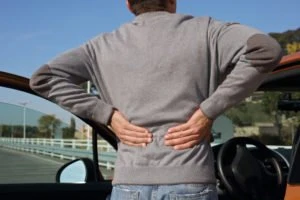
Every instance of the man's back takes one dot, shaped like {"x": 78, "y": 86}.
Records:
{"x": 160, "y": 65}
{"x": 155, "y": 68}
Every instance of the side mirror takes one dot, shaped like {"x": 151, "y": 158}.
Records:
{"x": 81, "y": 170}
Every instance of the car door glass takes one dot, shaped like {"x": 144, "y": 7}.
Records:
{"x": 37, "y": 137}
{"x": 107, "y": 156}
{"x": 258, "y": 117}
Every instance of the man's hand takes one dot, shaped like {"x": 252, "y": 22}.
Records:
{"x": 128, "y": 133}
{"x": 191, "y": 133}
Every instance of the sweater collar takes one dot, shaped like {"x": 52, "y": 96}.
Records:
{"x": 149, "y": 16}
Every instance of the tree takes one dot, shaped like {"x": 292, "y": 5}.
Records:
{"x": 69, "y": 132}
{"x": 247, "y": 114}
{"x": 293, "y": 47}
{"x": 72, "y": 125}
{"x": 6, "y": 130}
{"x": 240, "y": 115}
{"x": 48, "y": 125}
{"x": 16, "y": 131}
{"x": 270, "y": 101}
{"x": 287, "y": 37}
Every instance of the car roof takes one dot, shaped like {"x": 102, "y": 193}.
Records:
{"x": 288, "y": 61}
{"x": 285, "y": 77}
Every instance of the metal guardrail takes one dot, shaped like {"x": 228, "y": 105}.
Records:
{"x": 63, "y": 148}
{"x": 73, "y": 148}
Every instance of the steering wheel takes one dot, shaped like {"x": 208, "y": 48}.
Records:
{"x": 246, "y": 176}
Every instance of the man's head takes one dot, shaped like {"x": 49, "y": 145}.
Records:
{"x": 138, "y": 7}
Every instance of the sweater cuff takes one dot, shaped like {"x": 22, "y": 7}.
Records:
{"x": 102, "y": 113}
{"x": 210, "y": 109}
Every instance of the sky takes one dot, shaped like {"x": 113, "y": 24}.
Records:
{"x": 32, "y": 32}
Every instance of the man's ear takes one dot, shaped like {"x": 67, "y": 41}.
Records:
{"x": 172, "y": 5}
{"x": 129, "y": 6}
{"x": 172, "y": 2}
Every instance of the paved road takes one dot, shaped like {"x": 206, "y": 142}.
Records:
{"x": 22, "y": 167}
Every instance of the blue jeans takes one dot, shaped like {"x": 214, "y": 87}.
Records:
{"x": 164, "y": 192}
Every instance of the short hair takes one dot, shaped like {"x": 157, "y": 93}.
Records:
{"x": 142, "y": 6}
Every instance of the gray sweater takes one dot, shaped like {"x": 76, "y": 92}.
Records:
{"x": 157, "y": 70}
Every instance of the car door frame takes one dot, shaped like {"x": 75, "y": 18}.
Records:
{"x": 101, "y": 188}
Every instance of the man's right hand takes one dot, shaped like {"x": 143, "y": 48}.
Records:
{"x": 128, "y": 133}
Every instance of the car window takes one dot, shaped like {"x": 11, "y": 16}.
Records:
{"x": 259, "y": 117}
{"x": 107, "y": 156}
{"x": 37, "y": 137}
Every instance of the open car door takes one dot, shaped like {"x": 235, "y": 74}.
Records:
{"x": 31, "y": 164}
{"x": 287, "y": 76}
{"x": 293, "y": 184}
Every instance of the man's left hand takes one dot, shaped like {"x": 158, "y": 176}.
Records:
{"x": 191, "y": 133}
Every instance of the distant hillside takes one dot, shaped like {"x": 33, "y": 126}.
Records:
{"x": 289, "y": 40}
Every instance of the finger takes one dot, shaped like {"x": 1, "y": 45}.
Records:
{"x": 133, "y": 127}
{"x": 136, "y": 134}
{"x": 180, "y": 134}
{"x": 186, "y": 142}
{"x": 178, "y": 128}
{"x": 135, "y": 140}
{"x": 133, "y": 144}
{"x": 187, "y": 145}
{"x": 183, "y": 140}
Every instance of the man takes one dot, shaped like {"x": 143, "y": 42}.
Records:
{"x": 163, "y": 79}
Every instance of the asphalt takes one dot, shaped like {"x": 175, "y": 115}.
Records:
{"x": 23, "y": 167}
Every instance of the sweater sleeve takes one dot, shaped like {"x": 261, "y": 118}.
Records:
{"x": 244, "y": 57}
{"x": 59, "y": 82}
